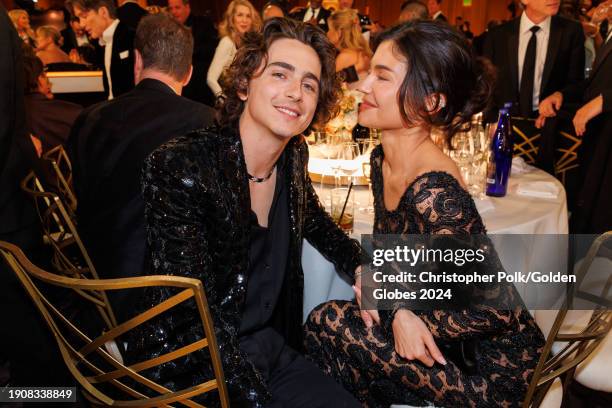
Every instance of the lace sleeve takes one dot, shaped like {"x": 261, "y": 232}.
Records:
{"x": 444, "y": 207}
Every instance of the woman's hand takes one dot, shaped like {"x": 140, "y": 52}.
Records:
{"x": 586, "y": 113}
{"x": 369, "y": 316}
{"x": 413, "y": 340}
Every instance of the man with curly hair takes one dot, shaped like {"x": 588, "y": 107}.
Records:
{"x": 231, "y": 206}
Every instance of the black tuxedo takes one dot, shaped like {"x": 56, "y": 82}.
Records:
{"x": 108, "y": 145}
{"x": 563, "y": 67}
{"x": 122, "y": 61}
{"x": 204, "y": 44}
{"x": 594, "y": 201}
{"x": 130, "y": 14}
{"x": 321, "y": 17}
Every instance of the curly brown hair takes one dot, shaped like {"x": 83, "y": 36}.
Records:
{"x": 254, "y": 51}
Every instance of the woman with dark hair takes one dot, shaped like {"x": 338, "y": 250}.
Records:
{"x": 424, "y": 75}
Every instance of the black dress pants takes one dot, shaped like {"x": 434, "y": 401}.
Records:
{"x": 293, "y": 381}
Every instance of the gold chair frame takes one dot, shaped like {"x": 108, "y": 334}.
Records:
{"x": 78, "y": 358}
{"x": 578, "y": 345}
{"x": 62, "y": 167}
{"x": 61, "y": 234}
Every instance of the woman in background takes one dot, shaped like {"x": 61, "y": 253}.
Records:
{"x": 21, "y": 21}
{"x": 354, "y": 52}
{"x": 239, "y": 18}
{"x": 424, "y": 75}
{"x": 49, "y": 50}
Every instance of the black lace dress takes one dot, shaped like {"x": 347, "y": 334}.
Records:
{"x": 364, "y": 360}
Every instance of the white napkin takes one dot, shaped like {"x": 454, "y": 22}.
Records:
{"x": 540, "y": 189}
{"x": 520, "y": 167}
{"x": 484, "y": 204}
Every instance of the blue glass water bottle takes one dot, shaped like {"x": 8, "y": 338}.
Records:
{"x": 500, "y": 160}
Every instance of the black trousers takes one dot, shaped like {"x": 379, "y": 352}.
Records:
{"x": 301, "y": 384}
{"x": 293, "y": 381}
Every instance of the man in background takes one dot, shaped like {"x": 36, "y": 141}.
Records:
{"x": 536, "y": 55}
{"x": 413, "y": 10}
{"x": 49, "y": 119}
{"x": 99, "y": 19}
{"x": 110, "y": 141}
{"x": 204, "y": 44}
{"x": 315, "y": 14}
{"x": 435, "y": 10}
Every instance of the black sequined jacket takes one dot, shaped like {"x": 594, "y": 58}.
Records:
{"x": 197, "y": 208}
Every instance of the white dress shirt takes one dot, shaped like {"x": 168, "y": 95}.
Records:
{"x": 82, "y": 40}
{"x": 224, "y": 55}
{"x": 542, "y": 37}
{"x": 310, "y": 13}
{"x": 107, "y": 42}
{"x": 436, "y": 14}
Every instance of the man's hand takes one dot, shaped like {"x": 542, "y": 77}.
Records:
{"x": 369, "y": 316}
{"x": 586, "y": 113}
{"x": 548, "y": 108}
{"x": 413, "y": 340}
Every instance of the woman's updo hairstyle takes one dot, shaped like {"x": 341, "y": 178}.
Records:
{"x": 440, "y": 63}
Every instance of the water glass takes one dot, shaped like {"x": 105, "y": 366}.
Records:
{"x": 342, "y": 208}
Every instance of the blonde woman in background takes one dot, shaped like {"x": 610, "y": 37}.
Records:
{"x": 49, "y": 40}
{"x": 354, "y": 51}
{"x": 239, "y": 18}
{"x": 21, "y": 21}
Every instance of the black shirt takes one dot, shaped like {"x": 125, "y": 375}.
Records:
{"x": 269, "y": 247}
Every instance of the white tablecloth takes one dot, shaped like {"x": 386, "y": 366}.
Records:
{"x": 512, "y": 214}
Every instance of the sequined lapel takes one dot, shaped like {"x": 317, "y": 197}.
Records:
{"x": 232, "y": 170}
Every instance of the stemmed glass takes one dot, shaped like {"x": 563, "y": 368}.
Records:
{"x": 367, "y": 145}
{"x": 348, "y": 154}
{"x": 366, "y": 168}
{"x": 463, "y": 154}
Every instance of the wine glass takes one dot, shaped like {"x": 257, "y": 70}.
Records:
{"x": 349, "y": 152}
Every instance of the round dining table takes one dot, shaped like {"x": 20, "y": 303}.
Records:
{"x": 535, "y": 204}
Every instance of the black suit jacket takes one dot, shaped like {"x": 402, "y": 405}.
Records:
{"x": 322, "y": 16}
{"x": 108, "y": 145}
{"x": 130, "y": 14}
{"x": 204, "y": 44}
{"x": 122, "y": 61}
{"x": 17, "y": 153}
{"x": 198, "y": 212}
{"x": 564, "y": 65}
{"x": 50, "y": 119}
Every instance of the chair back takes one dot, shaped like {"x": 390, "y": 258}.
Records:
{"x": 70, "y": 258}
{"x": 62, "y": 173}
{"x": 526, "y": 139}
{"x": 104, "y": 379}
{"x": 576, "y": 346}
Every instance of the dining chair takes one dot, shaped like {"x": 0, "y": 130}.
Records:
{"x": 104, "y": 378}
{"x": 574, "y": 335}
{"x": 69, "y": 257}
{"x": 62, "y": 174}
